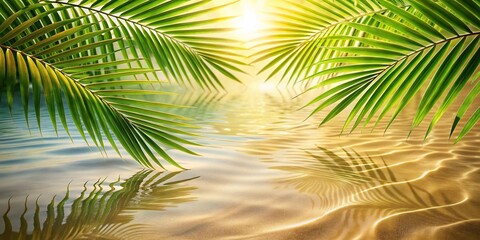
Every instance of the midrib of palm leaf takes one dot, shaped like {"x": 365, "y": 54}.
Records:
{"x": 394, "y": 63}
{"x": 431, "y": 45}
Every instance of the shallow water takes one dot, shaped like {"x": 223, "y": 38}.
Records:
{"x": 264, "y": 173}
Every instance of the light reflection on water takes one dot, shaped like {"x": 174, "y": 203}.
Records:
{"x": 264, "y": 173}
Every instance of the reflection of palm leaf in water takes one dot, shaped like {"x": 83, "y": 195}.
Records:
{"x": 327, "y": 172}
{"x": 99, "y": 213}
{"x": 202, "y": 103}
{"x": 353, "y": 180}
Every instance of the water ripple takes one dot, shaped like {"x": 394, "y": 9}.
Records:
{"x": 265, "y": 173}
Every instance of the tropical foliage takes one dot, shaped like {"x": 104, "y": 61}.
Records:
{"x": 100, "y": 56}
{"x": 377, "y": 55}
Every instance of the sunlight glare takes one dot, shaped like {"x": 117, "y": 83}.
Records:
{"x": 249, "y": 23}
{"x": 267, "y": 87}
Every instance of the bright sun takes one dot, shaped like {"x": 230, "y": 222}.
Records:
{"x": 267, "y": 87}
{"x": 249, "y": 23}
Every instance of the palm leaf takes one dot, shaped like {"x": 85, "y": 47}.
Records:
{"x": 173, "y": 35}
{"x": 379, "y": 58}
{"x": 453, "y": 49}
{"x": 294, "y": 43}
{"x": 99, "y": 92}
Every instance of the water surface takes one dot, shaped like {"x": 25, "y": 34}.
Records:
{"x": 263, "y": 173}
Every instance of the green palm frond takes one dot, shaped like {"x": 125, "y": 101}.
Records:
{"x": 185, "y": 39}
{"x": 378, "y": 54}
{"x": 443, "y": 51}
{"x": 300, "y": 29}
{"x": 74, "y": 61}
